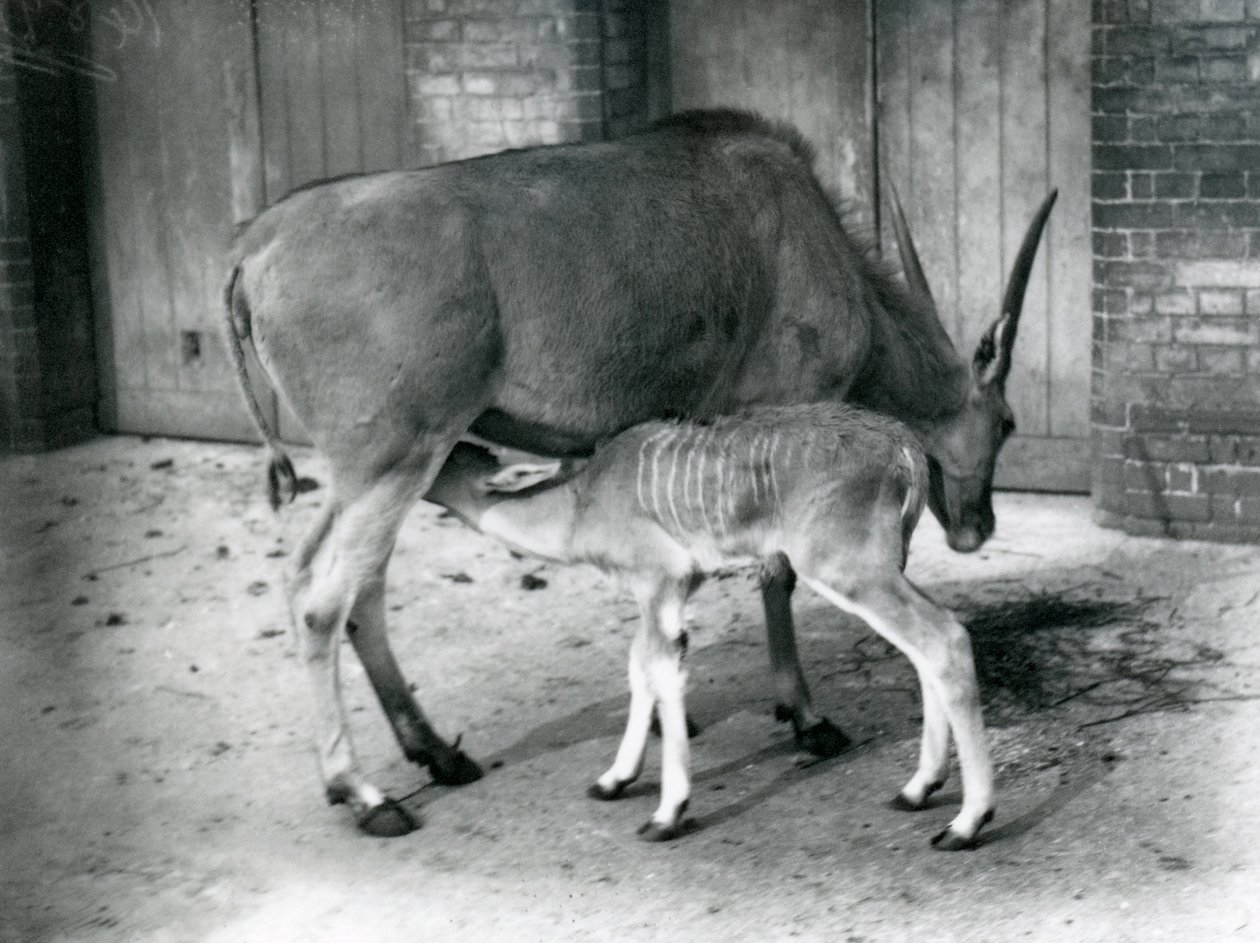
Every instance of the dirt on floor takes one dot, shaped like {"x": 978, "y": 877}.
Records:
{"x": 159, "y": 782}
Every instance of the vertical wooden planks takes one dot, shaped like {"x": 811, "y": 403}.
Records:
{"x": 333, "y": 88}
{"x": 303, "y": 50}
{"x": 111, "y": 203}
{"x": 197, "y": 189}
{"x": 931, "y": 205}
{"x": 894, "y": 96}
{"x": 1005, "y": 110}
{"x": 182, "y": 150}
{"x": 338, "y": 78}
{"x": 1024, "y": 146}
{"x": 383, "y": 124}
{"x": 803, "y": 61}
{"x": 273, "y": 91}
{"x": 978, "y": 159}
{"x": 1070, "y": 255}
{"x": 849, "y": 77}
{"x": 143, "y": 86}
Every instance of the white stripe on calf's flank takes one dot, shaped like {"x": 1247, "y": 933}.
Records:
{"x": 647, "y": 471}
{"x": 773, "y": 462}
{"x": 702, "y": 447}
{"x": 673, "y": 475}
{"x": 687, "y": 466}
{"x": 753, "y": 446}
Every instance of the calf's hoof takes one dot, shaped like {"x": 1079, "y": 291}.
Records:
{"x": 606, "y": 793}
{"x": 823, "y": 739}
{"x": 652, "y": 832}
{"x": 903, "y": 803}
{"x": 949, "y": 840}
{"x": 387, "y": 820}
{"x": 454, "y": 768}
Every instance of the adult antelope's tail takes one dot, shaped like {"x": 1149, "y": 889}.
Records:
{"x": 281, "y": 477}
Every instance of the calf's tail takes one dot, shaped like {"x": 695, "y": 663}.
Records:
{"x": 281, "y": 477}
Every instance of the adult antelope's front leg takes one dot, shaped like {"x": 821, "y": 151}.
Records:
{"x": 814, "y": 732}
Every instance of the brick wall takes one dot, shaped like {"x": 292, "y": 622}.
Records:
{"x": 485, "y": 75}
{"x": 1176, "y": 217}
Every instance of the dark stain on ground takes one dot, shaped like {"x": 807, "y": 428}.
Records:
{"x": 1046, "y": 649}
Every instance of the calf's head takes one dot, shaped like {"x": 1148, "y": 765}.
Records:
{"x": 963, "y": 445}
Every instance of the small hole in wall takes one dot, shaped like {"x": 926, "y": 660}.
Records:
{"x": 190, "y": 347}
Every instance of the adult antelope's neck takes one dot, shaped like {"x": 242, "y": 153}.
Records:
{"x": 912, "y": 371}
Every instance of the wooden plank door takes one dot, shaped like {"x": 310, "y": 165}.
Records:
{"x": 801, "y": 61}
{"x": 983, "y": 108}
{"x": 214, "y": 110}
{"x": 333, "y": 89}
{"x": 332, "y": 93}
{"x": 163, "y": 179}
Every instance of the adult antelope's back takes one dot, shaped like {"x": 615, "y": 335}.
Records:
{"x": 547, "y": 299}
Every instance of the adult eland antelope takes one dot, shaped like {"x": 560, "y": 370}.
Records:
{"x": 835, "y": 490}
{"x": 550, "y": 298}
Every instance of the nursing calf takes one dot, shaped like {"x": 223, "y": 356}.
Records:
{"x": 833, "y": 490}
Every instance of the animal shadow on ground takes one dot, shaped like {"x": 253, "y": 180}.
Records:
{"x": 1055, "y": 659}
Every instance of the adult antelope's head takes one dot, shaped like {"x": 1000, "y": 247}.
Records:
{"x": 963, "y": 445}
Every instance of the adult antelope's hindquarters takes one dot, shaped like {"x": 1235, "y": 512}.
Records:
{"x": 548, "y": 299}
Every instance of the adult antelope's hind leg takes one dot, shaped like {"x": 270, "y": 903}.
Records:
{"x": 813, "y": 732}
{"x": 420, "y": 743}
{"x": 339, "y": 571}
{"x": 940, "y": 650}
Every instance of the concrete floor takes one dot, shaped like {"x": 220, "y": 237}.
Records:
{"x": 159, "y": 783}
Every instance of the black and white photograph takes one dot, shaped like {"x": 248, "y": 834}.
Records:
{"x": 629, "y": 470}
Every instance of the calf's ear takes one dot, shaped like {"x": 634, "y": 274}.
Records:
{"x": 520, "y": 476}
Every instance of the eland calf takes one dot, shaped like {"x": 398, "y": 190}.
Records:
{"x": 833, "y": 490}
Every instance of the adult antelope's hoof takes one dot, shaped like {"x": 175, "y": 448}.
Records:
{"x": 949, "y": 840}
{"x": 387, "y": 820}
{"x": 650, "y": 831}
{"x": 606, "y": 793}
{"x": 824, "y": 739}
{"x": 454, "y": 769}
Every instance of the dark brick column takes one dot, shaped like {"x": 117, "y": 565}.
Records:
{"x": 1176, "y": 216}
{"x": 47, "y": 362}
{"x": 19, "y": 367}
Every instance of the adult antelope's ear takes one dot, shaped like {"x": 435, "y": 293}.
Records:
{"x": 992, "y": 361}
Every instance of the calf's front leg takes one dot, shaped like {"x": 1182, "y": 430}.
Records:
{"x": 657, "y": 683}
